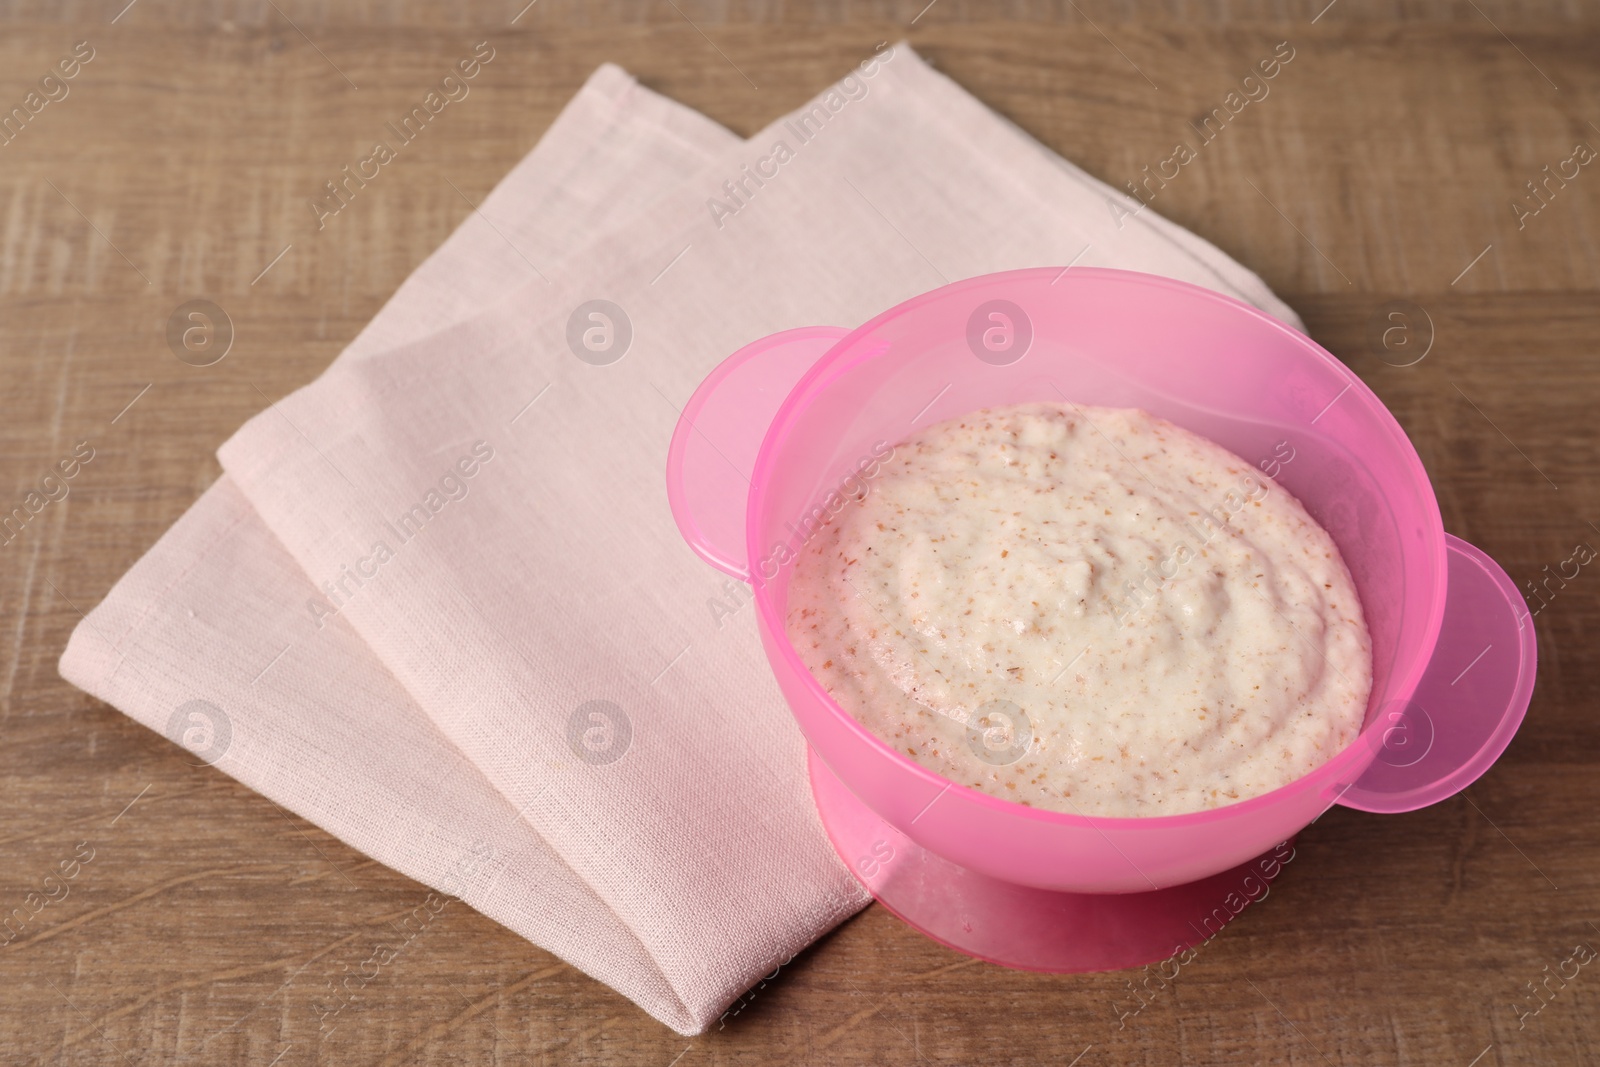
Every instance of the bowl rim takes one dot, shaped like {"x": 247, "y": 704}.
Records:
{"x": 1350, "y": 762}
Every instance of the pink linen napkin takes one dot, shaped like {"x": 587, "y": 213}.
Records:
{"x": 463, "y": 523}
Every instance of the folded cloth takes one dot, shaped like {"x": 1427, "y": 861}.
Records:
{"x": 561, "y": 731}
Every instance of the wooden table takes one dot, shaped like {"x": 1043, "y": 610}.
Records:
{"x": 1382, "y": 167}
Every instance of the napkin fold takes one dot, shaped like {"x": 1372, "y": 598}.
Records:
{"x": 438, "y": 604}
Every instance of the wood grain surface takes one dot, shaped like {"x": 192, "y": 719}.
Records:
{"x": 1382, "y": 167}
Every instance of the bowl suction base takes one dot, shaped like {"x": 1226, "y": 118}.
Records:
{"x": 1019, "y": 926}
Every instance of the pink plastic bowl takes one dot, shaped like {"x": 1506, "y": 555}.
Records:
{"x": 779, "y": 424}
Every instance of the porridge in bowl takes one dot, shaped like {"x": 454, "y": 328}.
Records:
{"x": 1087, "y": 610}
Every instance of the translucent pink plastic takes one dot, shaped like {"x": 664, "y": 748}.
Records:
{"x": 779, "y": 424}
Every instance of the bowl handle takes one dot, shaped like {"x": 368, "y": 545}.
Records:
{"x": 719, "y": 433}
{"x": 1471, "y": 699}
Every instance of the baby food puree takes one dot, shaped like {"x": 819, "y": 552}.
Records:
{"x": 1088, "y": 610}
